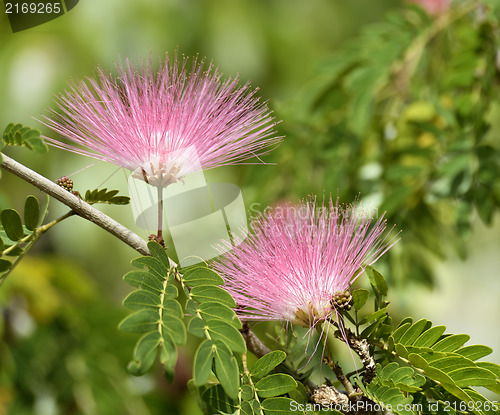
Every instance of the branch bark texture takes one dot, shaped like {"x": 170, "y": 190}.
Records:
{"x": 79, "y": 206}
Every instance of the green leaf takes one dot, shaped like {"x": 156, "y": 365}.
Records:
{"x": 217, "y": 311}
{"x": 474, "y": 352}
{"x": 139, "y": 299}
{"x": 226, "y": 369}
{"x": 155, "y": 266}
{"x": 17, "y": 135}
{"x": 203, "y": 359}
{"x": 12, "y": 224}
{"x": 275, "y": 385}
{"x": 374, "y": 316}
{"x": 429, "y": 337}
{"x": 359, "y": 298}
{"x": 5, "y": 265}
{"x": 175, "y": 328}
{"x": 210, "y": 293}
{"x": 145, "y": 353}
{"x": 451, "y": 343}
{"x": 220, "y": 330}
{"x": 142, "y": 321}
{"x": 172, "y": 308}
{"x": 217, "y": 397}
{"x": 197, "y": 276}
{"x": 413, "y": 332}
{"x": 398, "y": 333}
{"x": 246, "y": 393}
{"x": 246, "y": 408}
{"x": 197, "y": 327}
{"x": 158, "y": 252}
{"x": 146, "y": 280}
{"x": 168, "y": 353}
{"x": 278, "y": 406}
{"x": 105, "y": 196}
{"x": 31, "y": 213}
{"x": 377, "y": 280}
{"x": 267, "y": 363}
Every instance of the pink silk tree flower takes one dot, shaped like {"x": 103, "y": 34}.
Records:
{"x": 163, "y": 125}
{"x": 298, "y": 257}
{"x": 433, "y": 7}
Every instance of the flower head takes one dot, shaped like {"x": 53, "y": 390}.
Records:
{"x": 299, "y": 258}
{"x": 163, "y": 125}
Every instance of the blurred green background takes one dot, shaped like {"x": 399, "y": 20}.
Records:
{"x": 61, "y": 352}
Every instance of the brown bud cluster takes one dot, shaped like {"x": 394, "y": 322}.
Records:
{"x": 65, "y": 183}
{"x": 341, "y": 300}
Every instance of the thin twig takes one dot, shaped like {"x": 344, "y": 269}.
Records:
{"x": 81, "y": 207}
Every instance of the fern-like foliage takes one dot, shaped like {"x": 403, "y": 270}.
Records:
{"x": 221, "y": 380}
{"x": 18, "y": 234}
{"x": 18, "y": 135}
{"x": 445, "y": 360}
{"x": 105, "y": 196}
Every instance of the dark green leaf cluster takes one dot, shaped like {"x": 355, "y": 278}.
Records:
{"x": 405, "y": 116}
{"x": 105, "y": 196}
{"x": 15, "y": 238}
{"x": 418, "y": 366}
{"x": 450, "y": 367}
{"x": 260, "y": 391}
{"x": 18, "y": 135}
{"x": 157, "y": 312}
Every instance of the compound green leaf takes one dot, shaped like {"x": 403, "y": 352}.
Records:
{"x": 267, "y": 363}
{"x": 275, "y": 385}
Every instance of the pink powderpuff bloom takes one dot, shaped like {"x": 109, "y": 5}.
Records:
{"x": 163, "y": 125}
{"x": 433, "y": 7}
{"x": 298, "y": 257}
